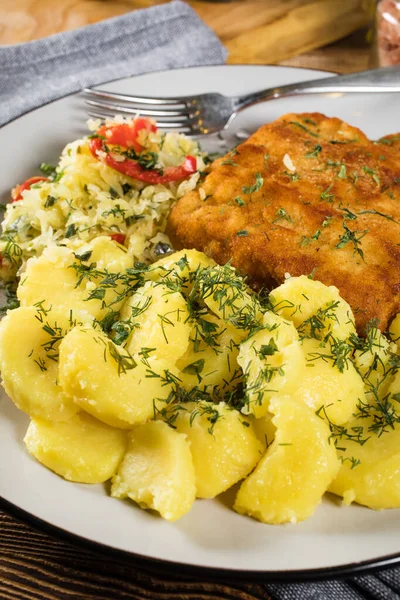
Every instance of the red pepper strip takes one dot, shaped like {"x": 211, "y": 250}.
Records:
{"x": 16, "y": 193}
{"x": 126, "y": 134}
{"x": 133, "y": 169}
{"x": 118, "y": 237}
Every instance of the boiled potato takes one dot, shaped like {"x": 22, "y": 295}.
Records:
{"x": 325, "y": 388}
{"x": 160, "y": 320}
{"x": 29, "y": 347}
{"x": 106, "y": 381}
{"x": 394, "y": 330}
{"x": 223, "y": 443}
{"x": 210, "y": 362}
{"x": 394, "y": 391}
{"x": 180, "y": 269}
{"x": 107, "y": 254}
{"x": 370, "y": 471}
{"x": 374, "y": 360}
{"x": 265, "y": 429}
{"x": 272, "y": 361}
{"x": 227, "y": 295}
{"x": 51, "y": 278}
{"x": 157, "y": 471}
{"x": 291, "y": 478}
{"x": 81, "y": 449}
{"x": 315, "y": 309}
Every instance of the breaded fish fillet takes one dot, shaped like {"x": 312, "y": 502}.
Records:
{"x": 304, "y": 194}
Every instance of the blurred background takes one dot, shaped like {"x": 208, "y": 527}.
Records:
{"x": 333, "y": 35}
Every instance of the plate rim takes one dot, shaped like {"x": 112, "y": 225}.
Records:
{"x": 214, "y": 573}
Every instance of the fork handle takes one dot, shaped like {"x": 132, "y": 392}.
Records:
{"x": 385, "y": 79}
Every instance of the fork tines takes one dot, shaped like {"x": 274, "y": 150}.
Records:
{"x": 173, "y": 112}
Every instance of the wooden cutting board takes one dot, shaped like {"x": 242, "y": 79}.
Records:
{"x": 254, "y": 31}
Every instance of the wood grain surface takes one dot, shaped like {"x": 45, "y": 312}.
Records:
{"x": 254, "y": 31}
{"x": 37, "y": 565}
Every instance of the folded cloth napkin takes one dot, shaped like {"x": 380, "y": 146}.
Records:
{"x": 162, "y": 37}
{"x": 383, "y": 585}
{"x": 167, "y": 36}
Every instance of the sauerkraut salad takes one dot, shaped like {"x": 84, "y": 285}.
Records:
{"x": 120, "y": 181}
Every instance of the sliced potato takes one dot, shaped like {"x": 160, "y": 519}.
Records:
{"x": 224, "y": 445}
{"x": 370, "y": 471}
{"x": 210, "y": 362}
{"x": 374, "y": 361}
{"x": 180, "y": 269}
{"x": 160, "y": 320}
{"x": 53, "y": 280}
{"x": 300, "y": 299}
{"x": 228, "y": 296}
{"x": 291, "y": 478}
{"x": 324, "y": 387}
{"x": 82, "y": 449}
{"x": 157, "y": 471}
{"x": 394, "y": 330}
{"x": 107, "y": 254}
{"x": 265, "y": 429}
{"x": 109, "y": 383}
{"x": 29, "y": 347}
{"x": 272, "y": 361}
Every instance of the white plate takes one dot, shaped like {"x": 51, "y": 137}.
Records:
{"x": 336, "y": 539}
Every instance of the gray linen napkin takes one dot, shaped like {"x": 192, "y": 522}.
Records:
{"x": 162, "y": 37}
{"x": 383, "y": 585}
{"x": 167, "y": 36}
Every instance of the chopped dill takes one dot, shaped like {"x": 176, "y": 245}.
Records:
{"x": 314, "y": 153}
{"x": 50, "y": 201}
{"x": 314, "y": 326}
{"x": 256, "y": 187}
{"x": 304, "y": 128}
{"x": 373, "y": 174}
{"x": 326, "y": 195}
{"x": 373, "y": 211}
{"x": 352, "y": 237}
{"x": 124, "y": 359}
{"x": 282, "y": 215}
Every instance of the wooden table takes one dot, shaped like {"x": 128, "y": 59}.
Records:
{"x": 254, "y": 31}
{"x": 35, "y": 564}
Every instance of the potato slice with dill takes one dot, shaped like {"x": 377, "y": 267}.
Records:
{"x": 228, "y": 296}
{"x": 289, "y": 481}
{"x": 332, "y": 390}
{"x": 394, "y": 330}
{"x": 223, "y": 443}
{"x": 179, "y": 270}
{"x": 159, "y": 320}
{"x": 370, "y": 467}
{"x": 157, "y": 471}
{"x": 82, "y": 449}
{"x": 316, "y": 310}
{"x": 272, "y": 361}
{"x": 265, "y": 429}
{"x": 108, "y": 382}
{"x": 375, "y": 358}
{"x": 369, "y": 443}
{"x": 30, "y": 338}
{"x": 66, "y": 280}
{"x": 210, "y": 362}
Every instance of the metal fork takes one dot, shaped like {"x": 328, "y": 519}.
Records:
{"x": 213, "y": 112}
